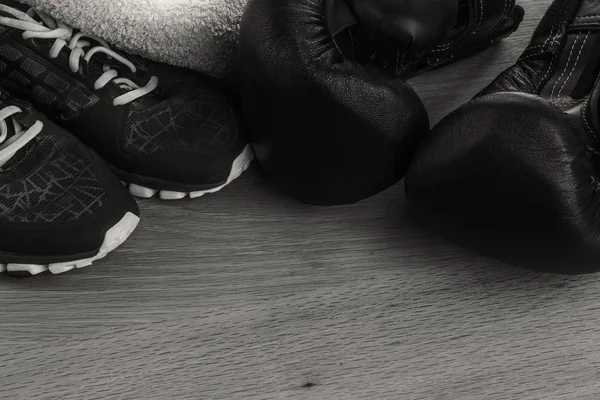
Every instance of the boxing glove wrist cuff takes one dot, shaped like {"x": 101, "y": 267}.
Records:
{"x": 476, "y": 26}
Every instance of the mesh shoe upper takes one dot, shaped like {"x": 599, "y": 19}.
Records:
{"x": 23, "y": 70}
{"x": 57, "y": 198}
{"x": 175, "y": 122}
{"x": 50, "y": 181}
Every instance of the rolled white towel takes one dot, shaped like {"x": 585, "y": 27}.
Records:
{"x": 198, "y": 34}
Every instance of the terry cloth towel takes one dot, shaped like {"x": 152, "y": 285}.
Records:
{"x": 198, "y": 34}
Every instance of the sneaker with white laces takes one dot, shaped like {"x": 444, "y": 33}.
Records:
{"x": 61, "y": 207}
{"x": 165, "y": 131}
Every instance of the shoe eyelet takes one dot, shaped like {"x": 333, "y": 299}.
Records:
{"x": 65, "y": 115}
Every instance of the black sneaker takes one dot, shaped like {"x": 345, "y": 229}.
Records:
{"x": 177, "y": 136}
{"x": 61, "y": 207}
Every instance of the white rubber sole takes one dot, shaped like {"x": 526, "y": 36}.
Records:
{"x": 115, "y": 237}
{"x": 241, "y": 164}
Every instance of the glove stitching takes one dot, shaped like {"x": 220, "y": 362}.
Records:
{"x": 586, "y": 109}
{"x": 478, "y": 28}
{"x": 502, "y": 17}
{"x": 547, "y": 73}
{"x": 586, "y": 122}
{"x": 574, "y": 66}
{"x": 445, "y": 48}
{"x": 566, "y": 66}
{"x": 442, "y": 47}
{"x": 481, "y": 16}
{"x": 566, "y": 101}
{"x": 546, "y": 42}
{"x": 465, "y": 40}
{"x": 592, "y": 150}
{"x": 539, "y": 45}
{"x": 409, "y": 65}
{"x": 586, "y": 23}
{"x": 552, "y": 42}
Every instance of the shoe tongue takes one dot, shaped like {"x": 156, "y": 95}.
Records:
{"x": 96, "y": 65}
{"x": 98, "y": 62}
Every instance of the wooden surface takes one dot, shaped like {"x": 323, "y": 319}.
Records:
{"x": 248, "y": 295}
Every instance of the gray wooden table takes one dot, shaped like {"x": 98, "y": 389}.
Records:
{"x": 248, "y": 295}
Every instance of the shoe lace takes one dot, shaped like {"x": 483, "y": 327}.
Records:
{"x": 65, "y": 36}
{"x": 10, "y": 146}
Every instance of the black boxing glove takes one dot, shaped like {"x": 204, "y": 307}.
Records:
{"x": 515, "y": 173}
{"x": 328, "y": 123}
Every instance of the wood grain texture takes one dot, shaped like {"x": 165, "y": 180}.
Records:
{"x": 248, "y": 295}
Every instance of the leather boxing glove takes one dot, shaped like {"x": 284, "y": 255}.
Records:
{"x": 514, "y": 173}
{"x": 323, "y": 88}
